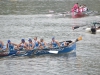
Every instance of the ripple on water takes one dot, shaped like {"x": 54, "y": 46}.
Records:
{"x": 87, "y": 56}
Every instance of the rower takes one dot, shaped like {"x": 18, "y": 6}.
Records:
{"x": 93, "y": 29}
{"x": 54, "y": 43}
{"x": 11, "y": 46}
{"x": 65, "y": 43}
{"x": 75, "y": 8}
{"x": 30, "y": 44}
{"x": 85, "y": 8}
{"x": 2, "y": 47}
{"x": 23, "y": 45}
{"x": 36, "y": 43}
{"x": 42, "y": 44}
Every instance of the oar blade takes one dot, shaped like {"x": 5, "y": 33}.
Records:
{"x": 79, "y": 38}
{"x": 54, "y": 52}
{"x": 75, "y": 27}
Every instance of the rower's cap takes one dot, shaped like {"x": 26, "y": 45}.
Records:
{"x": 53, "y": 37}
{"x": 9, "y": 41}
{"x": 30, "y": 39}
{"x": 23, "y": 40}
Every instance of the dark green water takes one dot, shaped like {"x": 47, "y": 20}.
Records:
{"x": 28, "y": 7}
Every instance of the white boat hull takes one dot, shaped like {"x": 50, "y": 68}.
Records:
{"x": 89, "y": 30}
{"x": 98, "y": 31}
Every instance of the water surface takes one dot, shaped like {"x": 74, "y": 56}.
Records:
{"x": 30, "y": 18}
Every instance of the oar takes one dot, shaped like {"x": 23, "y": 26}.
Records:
{"x": 78, "y": 39}
{"x": 54, "y": 52}
{"x": 75, "y": 27}
{"x": 96, "y": 23}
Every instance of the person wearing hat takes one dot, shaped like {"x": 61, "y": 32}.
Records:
{"x": 42, "y": 44}
{"x": 30, "y": 44}
{"x": 1, "y": 45}
{"x": 54, "y": 43}
{"x": 23, "y": 45}
{"x": 11, "y": 46}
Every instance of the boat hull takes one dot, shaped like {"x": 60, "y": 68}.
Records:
{"x": 59, "y": 50}
{"x": 77, "y": 15}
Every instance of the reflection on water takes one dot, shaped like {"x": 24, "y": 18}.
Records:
{"x": 37, "y": 65}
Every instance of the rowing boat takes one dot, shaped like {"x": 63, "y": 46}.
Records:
{"x": 57, "y": 50}
{"x": 78, "y": 14}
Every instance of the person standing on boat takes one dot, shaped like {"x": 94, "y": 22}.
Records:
{"x": 23, "y": 45}
{"x": 2, "y": 47}
{"x": 11, "y": 46}
{"x": 36, "y": 43}
{"x": 54, "y": 43}
{"x": 30, "y": 44}
{"x": 42, "y": 44}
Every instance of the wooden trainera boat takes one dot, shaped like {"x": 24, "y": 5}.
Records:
{"x": 58, "y": 50}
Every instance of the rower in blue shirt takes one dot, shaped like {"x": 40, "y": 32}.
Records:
{"x": 2, "y": 46}
{"x": 42, "y": 44}
{"x": 30, "y": 44}
{"x": 54, "y": 43}
{"x": 23, "y": 45}
{"x": 11, "y": 46}
{"x": 36, "y": 43}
